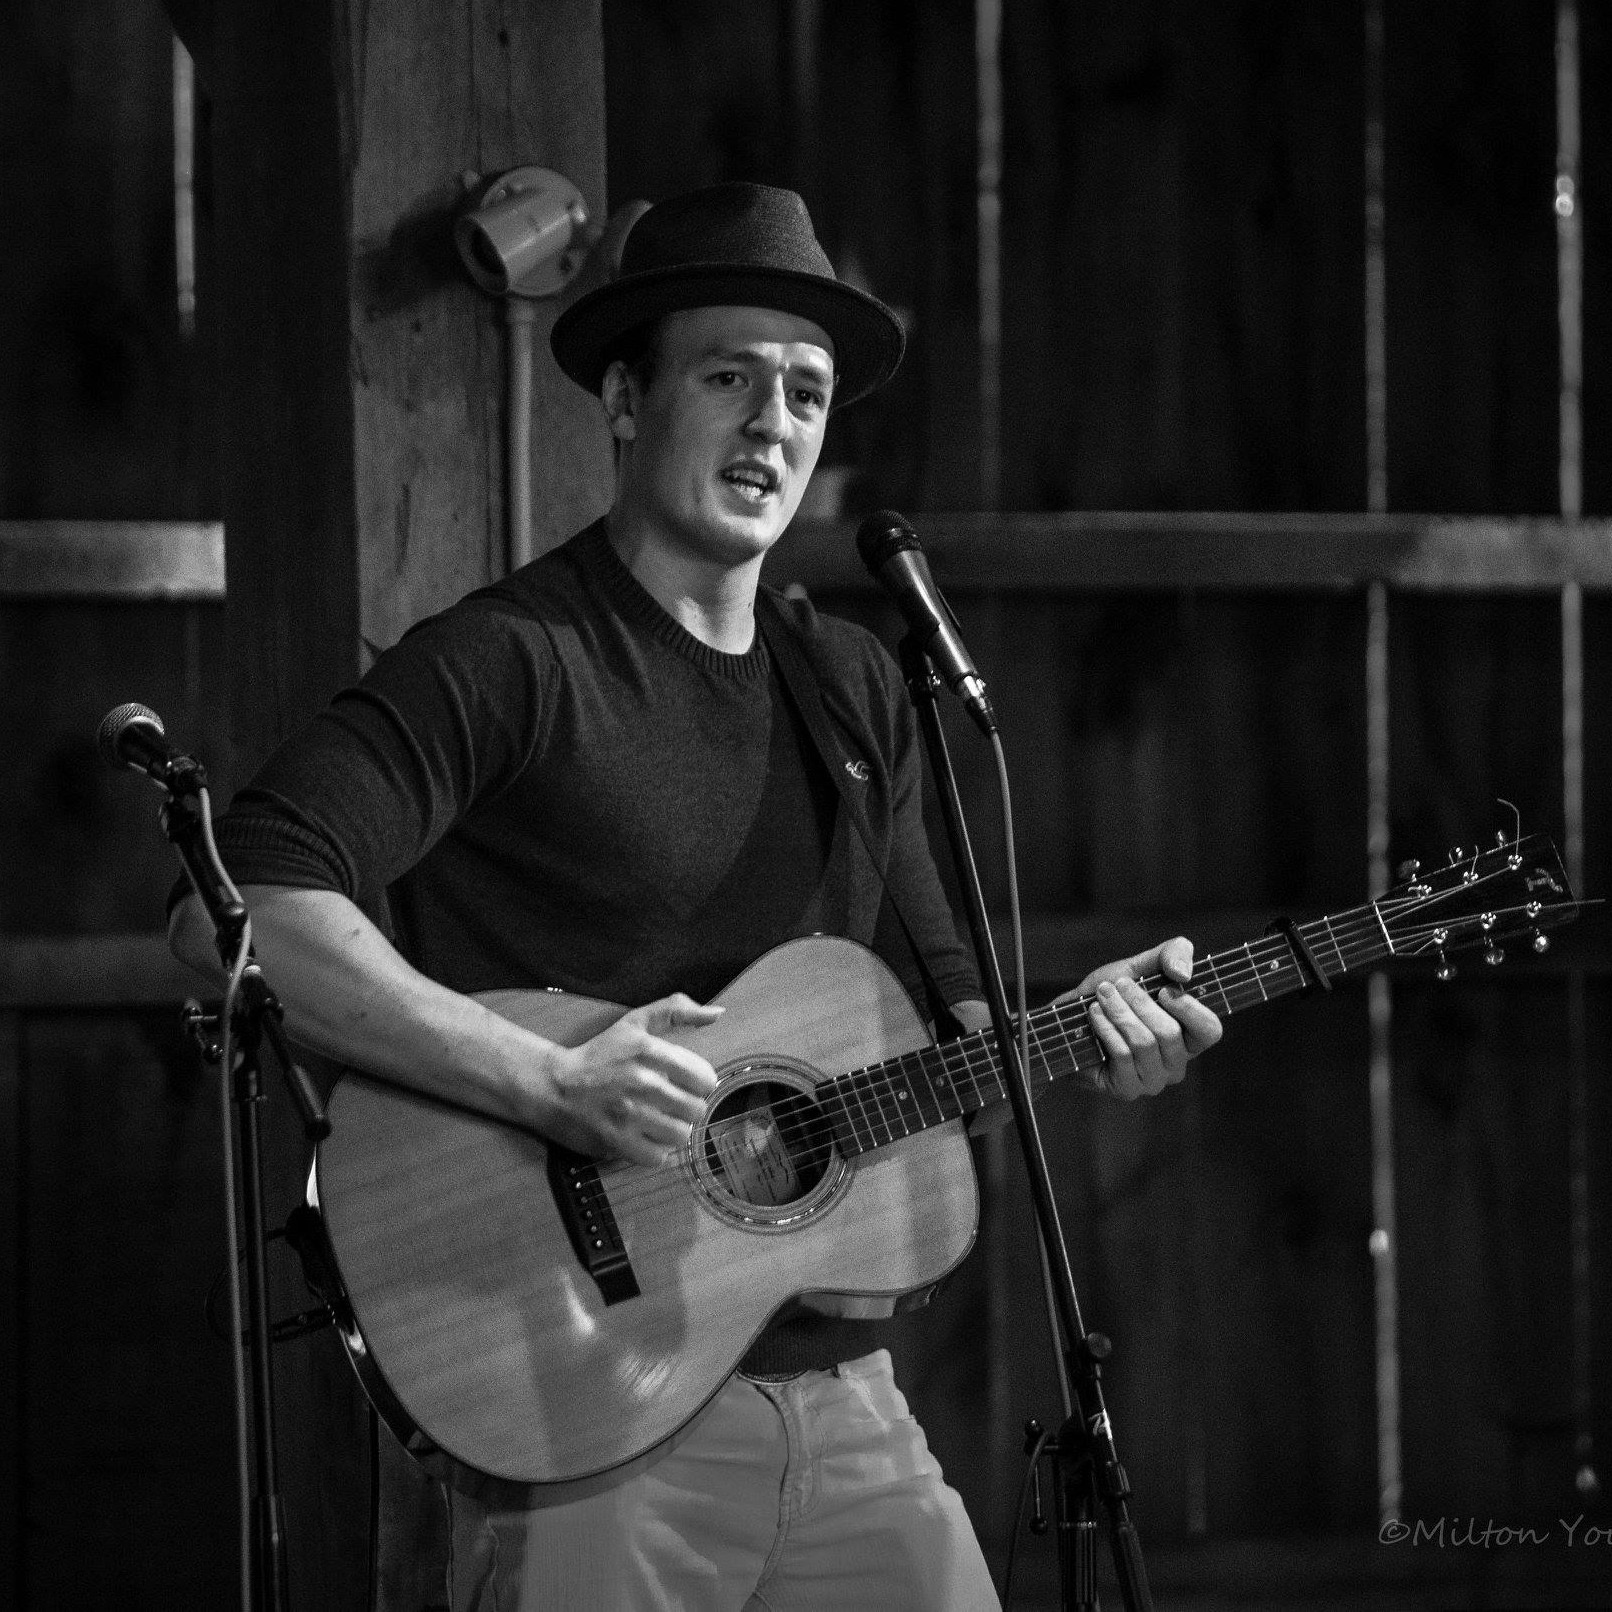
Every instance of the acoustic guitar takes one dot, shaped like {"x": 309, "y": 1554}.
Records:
{"x": 536, "y": 1318}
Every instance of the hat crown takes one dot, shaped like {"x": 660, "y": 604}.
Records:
{"x": 730, "y": 245}
{"x": 741, "y": 226}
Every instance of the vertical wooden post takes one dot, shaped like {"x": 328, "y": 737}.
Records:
{"x": 1384, "y": 1246}
{"x": 363, "y": 446}
{"x": 1570, "y": 475}
{"x": 12, "y": 1159}
{"x": 363, "y": 430}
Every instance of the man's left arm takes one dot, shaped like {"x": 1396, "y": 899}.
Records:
{"x": 1147, "y": 1041}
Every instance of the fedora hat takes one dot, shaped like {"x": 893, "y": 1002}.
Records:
{"x": 736, "y": 244}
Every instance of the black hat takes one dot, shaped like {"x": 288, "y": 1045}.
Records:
{"x": 747, "y": 245}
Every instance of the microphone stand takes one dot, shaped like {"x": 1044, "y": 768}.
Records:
{"x": 1086, "y": 1462}
{"x": 256, "y": 1015}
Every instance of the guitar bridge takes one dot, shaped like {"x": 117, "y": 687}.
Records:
{"x": 590, "y": 1223}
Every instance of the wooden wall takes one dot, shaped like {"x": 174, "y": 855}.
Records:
{"x": 1183, "y": 331}
{"x": 1183, "y": 272}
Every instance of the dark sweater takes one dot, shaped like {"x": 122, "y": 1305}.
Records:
{"x": 554, "y": 784}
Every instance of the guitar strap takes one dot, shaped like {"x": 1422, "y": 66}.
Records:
{"x": 805, "y": 690}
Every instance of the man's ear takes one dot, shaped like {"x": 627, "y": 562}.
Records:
{"x": 616, "y": 393}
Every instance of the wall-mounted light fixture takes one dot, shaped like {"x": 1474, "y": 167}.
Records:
{"x": 523, "y": 236}
{"x": 522, "y": 239}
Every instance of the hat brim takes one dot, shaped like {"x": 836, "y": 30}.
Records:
{"x": 867, "y": 336}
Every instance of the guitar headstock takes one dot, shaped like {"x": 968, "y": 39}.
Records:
{"x": 1479, "y": 898}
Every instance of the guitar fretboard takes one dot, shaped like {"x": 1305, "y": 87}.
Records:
{"x": 884, "y": 1102}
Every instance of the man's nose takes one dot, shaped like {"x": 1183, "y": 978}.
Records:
{"x": 770, "y": 421}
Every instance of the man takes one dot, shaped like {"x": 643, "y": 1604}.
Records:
{"x": 594, "y": 776}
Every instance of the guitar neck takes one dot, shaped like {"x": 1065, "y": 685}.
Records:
{"x": 881, "y": 1104}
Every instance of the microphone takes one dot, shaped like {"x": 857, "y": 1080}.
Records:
{"x": 889, "y": 549}
{"x": 133, "y": 736}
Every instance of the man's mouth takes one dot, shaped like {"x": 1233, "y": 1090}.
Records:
{"x": 752, "y": 482}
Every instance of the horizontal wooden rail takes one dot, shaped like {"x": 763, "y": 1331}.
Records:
{"x": 1070, "y": 552}
{"x": 137, "y": 970}
{"x": 1232, "y": 553}
{"x": 156, "y": 560}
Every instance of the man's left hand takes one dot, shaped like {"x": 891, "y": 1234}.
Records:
{"x": 1146, "y": 1040}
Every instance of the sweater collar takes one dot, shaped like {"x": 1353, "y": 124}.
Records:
{"x": 641, "y": 607}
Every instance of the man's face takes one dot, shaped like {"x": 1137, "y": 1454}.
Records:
{"x": 726, "y": 433}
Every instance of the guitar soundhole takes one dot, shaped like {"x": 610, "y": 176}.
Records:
{"x": 767, "y": 1145}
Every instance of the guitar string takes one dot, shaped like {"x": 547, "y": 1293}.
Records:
{"x": 1220, "y": 974}
{"x": 1077, "y": 1037}
{"x": 1078, "y": 1043}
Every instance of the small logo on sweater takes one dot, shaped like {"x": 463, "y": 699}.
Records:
{"x": 858, "y": 770}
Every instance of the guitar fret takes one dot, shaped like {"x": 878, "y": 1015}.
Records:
{"x": 930, "y": 1111}
{"x": 944, "y": 1083}
{"x": 1212, "y": 968}
{"x": 835, "y": 1097}
{"x": 906, "y": 1105}
{"x": 1343, "y": 967}
{"x": 868, "y": 1136}
{"x": 980, "y": 1092}
{"x": 886, "y": 1112}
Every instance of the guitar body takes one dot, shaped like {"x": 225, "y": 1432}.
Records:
{"x": 480, "y": 1332}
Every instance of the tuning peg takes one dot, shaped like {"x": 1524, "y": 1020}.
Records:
{"x": 1541, "y": 943}
{"x": 1493, "y": 955}
{"x": 1456, "y": 855}
{"x": 1408, "y": 869}
{"x": 1445, "y": 970}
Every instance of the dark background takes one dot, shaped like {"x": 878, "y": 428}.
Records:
{"x": 1184, "y": 331}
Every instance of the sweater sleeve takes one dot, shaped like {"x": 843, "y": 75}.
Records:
{"x": 442, "y": 720}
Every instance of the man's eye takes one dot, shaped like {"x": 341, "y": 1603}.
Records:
{"x": 808, "y": 397}
{"x": 728, "y": 378}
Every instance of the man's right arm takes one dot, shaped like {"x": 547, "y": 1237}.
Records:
{"x": 350, "y": 995}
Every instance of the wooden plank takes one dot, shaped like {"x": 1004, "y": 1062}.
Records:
{"x": 362, "y": 444}
{"x": 126, "y": 1412}
{"x": 1009, "y": 553}
{"x": 92, "y": 971}
{"x": 1084, "y": 551}
{"x": 125, "y": 971}
{"x": 12, "y": 1476}
{"x": 170, "y": 560}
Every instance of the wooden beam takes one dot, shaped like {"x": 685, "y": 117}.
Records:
{"x": 362, "y": 449}
{"x": 193, "y": 22}
{"x": 1086, "y": 551}
{"x": 363, "y": 445}
{"x": 167, "y": 560}
{"x": 13, "y": 1306}
{"x": 164, "y": 560}
{"x": 136, "y": 971}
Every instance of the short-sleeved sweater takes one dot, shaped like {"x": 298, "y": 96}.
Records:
{"x": 554, "y": 784}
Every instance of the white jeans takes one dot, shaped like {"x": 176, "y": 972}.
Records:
{"x": 814, "y": 1495}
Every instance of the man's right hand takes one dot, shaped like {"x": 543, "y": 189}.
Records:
{"x": 628, "y": 1093}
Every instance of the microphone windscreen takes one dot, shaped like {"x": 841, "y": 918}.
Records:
{"x": 117, "y": 721}
{"x": 882, "y": 534}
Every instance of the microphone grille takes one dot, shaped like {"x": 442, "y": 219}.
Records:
{"x": 117, "y": 721}
{"x": 882, "y": 534}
